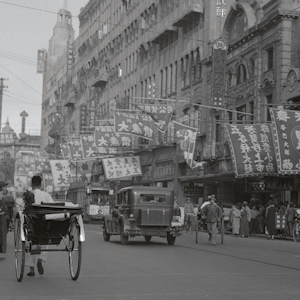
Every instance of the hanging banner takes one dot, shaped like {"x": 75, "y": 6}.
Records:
{"x": 75, "y": 149}
{"x": 21, "y": 182}
{"x": 25, "y": 162}
{"x": 42, "y": 165}
{"x": 61, "y": 173}
{"x": 118, "y": 167}
{"x": 106, "y": 136}
{"x": 89, "y": 149}
{"x": 160, "y": 114}
{"x": 252, "y": 149}
{"x": 286, "y": 133}
{"x": 81, "y": 170}
{"x": 186, "y": 139}
{"x": 136, "y": 124}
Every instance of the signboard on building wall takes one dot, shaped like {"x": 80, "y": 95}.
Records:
{"x": 41, "y": 55}
{"x": 286, "y": 132}
{"x": 252, "y": 149}
{"x": 70, "y": 58}
{"x": 164, "y": 170}
{"x": 83, "y": 117}
{"x": 218, "y": 73}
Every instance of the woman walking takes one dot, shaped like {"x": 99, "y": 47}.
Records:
{"x": 235, "y": 220}
{"x": 270, "y": 220}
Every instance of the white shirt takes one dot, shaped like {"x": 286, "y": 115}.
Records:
{"x": 41, "y": 196}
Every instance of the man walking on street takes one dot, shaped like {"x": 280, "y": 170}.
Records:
{"x": 212, "y": 213}
{"x": 188, "y": 214}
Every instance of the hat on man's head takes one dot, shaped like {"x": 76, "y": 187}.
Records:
{"x": 2, "y": 184}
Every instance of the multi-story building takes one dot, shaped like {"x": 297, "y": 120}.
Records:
{"x": 161, "y": 51}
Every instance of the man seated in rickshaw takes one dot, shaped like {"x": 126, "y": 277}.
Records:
{"x": 39, "y": 197}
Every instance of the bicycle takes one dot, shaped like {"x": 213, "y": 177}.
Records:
{"x": 189, "y": 222}
{"x": 296, "y": 226}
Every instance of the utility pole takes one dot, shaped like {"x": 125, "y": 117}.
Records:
{"x": 1, "y": 99}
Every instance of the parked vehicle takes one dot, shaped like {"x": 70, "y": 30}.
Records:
{"x": 143, "y": 211}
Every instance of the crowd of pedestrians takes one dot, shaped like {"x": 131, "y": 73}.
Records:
{"x": 260, "y": 219}
{"x": 244, "y": 219}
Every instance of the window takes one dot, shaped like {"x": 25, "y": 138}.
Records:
{"x": 270, "y": 58}
{"x": 241, "y": 74}
{"x": 241, "y": 117}
{"x": 269, "y": 100}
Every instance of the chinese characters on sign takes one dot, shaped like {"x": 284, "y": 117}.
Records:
{"x": 186, "y": 138}
{"x": 220, "y": 8}
{"x": 136, "y": 124}
{"x": 75, "y": 149}
{"x": 105, "y": 136}
{"x": 252, "y": 149}
{"x": 160, "y": 114}
{"x": 89, "y": 149}
{"x": 218, "y": 73}
{"x": 61, "y": 173}
{"x": 7, "y": 138}
{"x": 118, "y": 167}
{"x": 286, "y": 131}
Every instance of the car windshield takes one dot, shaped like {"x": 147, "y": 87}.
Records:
{"x": 152, "y": 198}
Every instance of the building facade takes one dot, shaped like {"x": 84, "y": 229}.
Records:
{"x": 171, "y": 51}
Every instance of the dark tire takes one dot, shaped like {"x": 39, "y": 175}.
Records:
{"x": 106, "y": 236}
{"x": 296, "y": 232}
{"x": 171, "y": 239}
{"x": 148, "y": 238}
{"x": 19, "y": 251}
{"x": 74, "y": 248}
{"x": 123, "y": 238}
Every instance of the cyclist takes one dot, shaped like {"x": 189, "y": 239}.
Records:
{"x": 188, "y": 215}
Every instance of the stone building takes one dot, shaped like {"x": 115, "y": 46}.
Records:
{"x": 162, "y": 51}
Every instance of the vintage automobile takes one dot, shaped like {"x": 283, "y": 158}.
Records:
{"x": 143, "y": 211}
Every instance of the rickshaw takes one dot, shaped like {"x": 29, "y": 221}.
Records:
{"x": 143, "y": 211}
{"x": 49, "y": 224}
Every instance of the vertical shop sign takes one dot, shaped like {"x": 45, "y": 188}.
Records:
{"x": 218, "y": 73}
{"x": 70, "y": 58}
{"x": 83, "y": 117}
{"x": 40, "y": 61}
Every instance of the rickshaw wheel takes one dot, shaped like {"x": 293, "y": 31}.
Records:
{"x": 106, "y": 236}
{"x": 74, "y": 248}
{"x": 171, "y": 239}
{"x": 19, "y": 250}
{"x": 296, "y": 232}
{"x": 123, "y": 237}
{"x": 148, "y": 238}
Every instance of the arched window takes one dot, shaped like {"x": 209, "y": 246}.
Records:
{"x": 241, "y": 74}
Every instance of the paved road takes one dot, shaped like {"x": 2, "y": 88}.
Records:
{"x": 249, "y": 268}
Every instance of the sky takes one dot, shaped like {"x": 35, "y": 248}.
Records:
{"x": 25, "y": 27}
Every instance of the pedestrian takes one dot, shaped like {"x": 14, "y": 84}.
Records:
{"x": 245, "y": 218}
{"x": 188, "y": 215}
{"x": 4, "y": 213}
{"x": 270, "y": 220}
{"x": 253, "y": 221}
{"x": 261, "y": 218}
{"x": 235, "y": 219}
{"x": 212, "y": 213}
{"x": 39, "y": 198}
{"x": 290, "y": 218}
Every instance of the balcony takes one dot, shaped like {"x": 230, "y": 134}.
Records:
{"x": 186, "y": 11}
{"x": 100, "y": 77}
{"x": 167, "y": 32}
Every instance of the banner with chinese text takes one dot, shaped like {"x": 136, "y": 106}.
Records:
{"x": 136, "y": 124}
{"x": 106, "y": 137}
{"x": 286, "y": 132}
{"x": 61, "y": 173}
{"x": 118, "y": 167}
{"x": 186, "y": 139}
{"x": 42, "y": 165}
{"x": 252, "y": 149}
{"x": 89, "y": 149}
{"x": 160, "y": 114}
{"x": 75, "y": 149}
